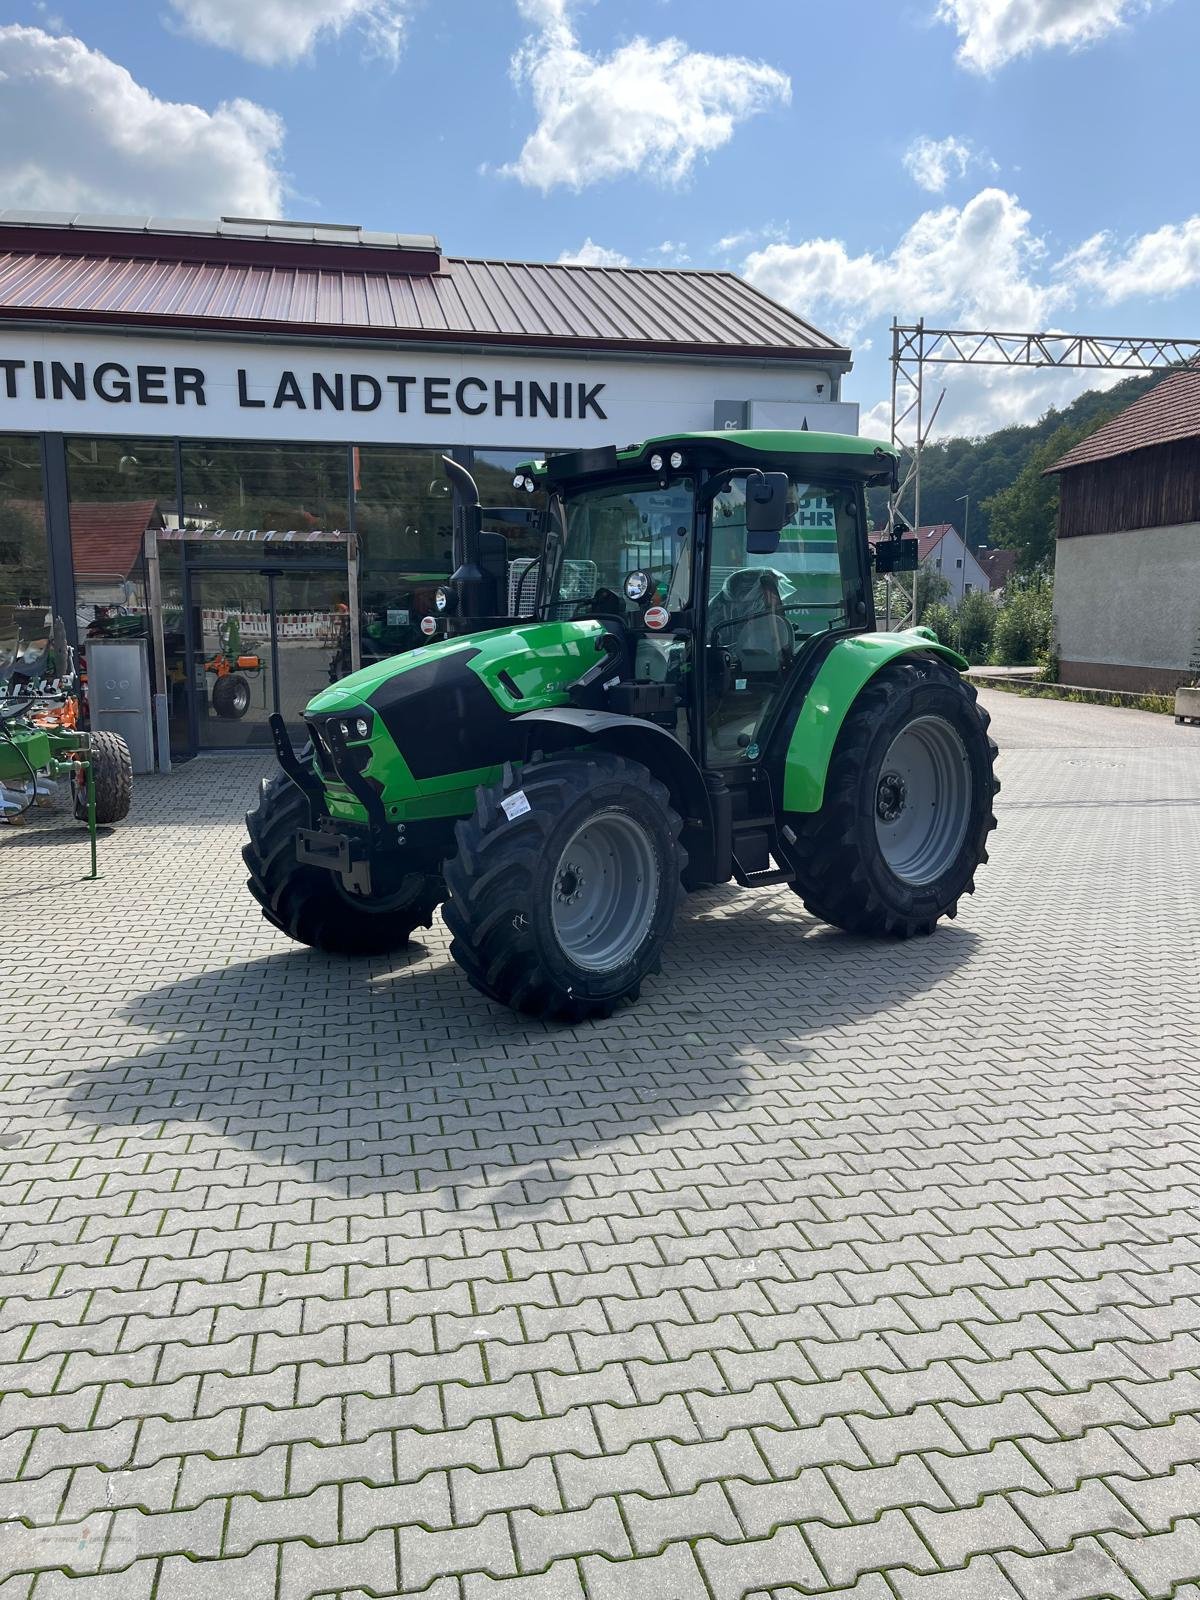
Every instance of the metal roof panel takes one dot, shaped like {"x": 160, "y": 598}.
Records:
{"x": 546, "y": 302}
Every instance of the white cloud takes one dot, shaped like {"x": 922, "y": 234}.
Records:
{"x": 591, "y": 254}
{"x": 671, "y": 253}
{"x": 275, "y": 31}
{"x": 77, "y": 132}
{"x": 654, "y": 109}
{"x": 979, "y": 400}
{"x": 1152, "y": 265}
{"x": 994, "y": 32}
{"x": 933, "y": 163}
{"x": 976, "y": 264}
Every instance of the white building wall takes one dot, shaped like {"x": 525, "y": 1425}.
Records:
{"x": 958, "y": 566}
{"x": 1129, "y": 599}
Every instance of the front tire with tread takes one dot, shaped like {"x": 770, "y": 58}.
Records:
{"x": 501, "y": 883}
{"x": 308, "y": 903}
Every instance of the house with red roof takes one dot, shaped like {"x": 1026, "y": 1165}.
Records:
{"x": 108, "y": 538}
{"x": 1127, "y": 556}
{"x": 941, "y": 547}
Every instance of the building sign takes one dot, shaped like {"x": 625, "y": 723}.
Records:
{"x": 117, "y": 383}
{"x": 139, "y": 384}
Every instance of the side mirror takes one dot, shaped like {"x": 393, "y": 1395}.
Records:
{"x": 896, "y": 555}
{"x": 766, "y": 511}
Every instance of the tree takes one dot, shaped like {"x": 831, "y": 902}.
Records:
{"x": 975, "y": 623}
{"x": 1024, "y": 517}
{"x": 932, "y": 589}
{"x": 941, "y": 619}
{"x": 1024, "y": 627}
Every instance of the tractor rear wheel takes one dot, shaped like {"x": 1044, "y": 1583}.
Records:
{"x": 565, "y": 885}
{"x": 310, "y": 904}
{"x": 231, "y": 696}
{"x": 907, "y": 808}
{"x": 112, "y": 770}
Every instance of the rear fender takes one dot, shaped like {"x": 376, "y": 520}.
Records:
{"x": 567, "y": 727}
{"x": 842, "y": 676}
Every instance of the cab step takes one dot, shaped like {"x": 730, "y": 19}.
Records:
{"x": 755, "y": 849}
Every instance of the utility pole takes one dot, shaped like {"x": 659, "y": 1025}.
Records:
{"x": 966, "y": 517}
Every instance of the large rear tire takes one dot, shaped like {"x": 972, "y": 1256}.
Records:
{"x": 565, "y": 885}
{"x": 309, "y": 904}
{"x": 907, "y": 809}
{"x": 112, "y": 769}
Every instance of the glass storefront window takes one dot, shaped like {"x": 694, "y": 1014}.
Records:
{"x": 402, "y": 509}
{"x": 24, "y": 553}
{"x": 118, "y": 488}
{"x": 268, "y": 597}
{"x": 285, "y": 489}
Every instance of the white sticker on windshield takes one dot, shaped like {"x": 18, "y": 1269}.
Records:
{"x": 516, "y": 805}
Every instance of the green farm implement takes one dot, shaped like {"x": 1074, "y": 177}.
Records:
{"x": 685, "y": 687}
{"x": 41, "y": 740}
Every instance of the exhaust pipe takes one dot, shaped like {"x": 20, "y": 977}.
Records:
{"x": 471, "y": 583}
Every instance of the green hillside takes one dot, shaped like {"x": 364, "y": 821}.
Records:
{"x": 1012, "y": 505}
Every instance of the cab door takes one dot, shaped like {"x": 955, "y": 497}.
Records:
{"x": 762, "y": 609}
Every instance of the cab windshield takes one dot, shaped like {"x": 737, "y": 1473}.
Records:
{"x": 614, "y": 530}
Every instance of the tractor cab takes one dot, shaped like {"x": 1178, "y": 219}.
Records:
{"x": 716, "y": 563}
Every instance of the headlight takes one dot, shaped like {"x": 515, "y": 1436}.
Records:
{"x": 441, "y": 599}
{"x": 362, "y": 727}
{"x": 637, "y": 585}
{"x": 656, "y": 462}
{"x": 519, "y": 481}
{"x": 530, "y": 486}
{"x": 676, "y": 460}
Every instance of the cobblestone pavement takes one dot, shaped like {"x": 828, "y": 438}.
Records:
{"x": 827, "y": 1268}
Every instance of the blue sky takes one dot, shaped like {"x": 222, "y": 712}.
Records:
{"x": 1011, "y": 163}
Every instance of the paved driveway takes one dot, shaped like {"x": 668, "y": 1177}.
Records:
{"x": 828, "y": 1268}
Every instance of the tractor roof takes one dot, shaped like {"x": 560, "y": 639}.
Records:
{"x": 840, "y": 453}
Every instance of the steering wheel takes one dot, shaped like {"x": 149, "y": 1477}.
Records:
{"x": 604, "y": 603}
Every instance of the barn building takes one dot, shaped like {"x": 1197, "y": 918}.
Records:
{"x": 1127, "y": 569}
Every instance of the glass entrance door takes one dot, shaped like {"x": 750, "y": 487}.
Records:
{"x": 259, "y": 640}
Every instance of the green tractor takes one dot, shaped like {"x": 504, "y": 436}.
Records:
{"x": 685, "y": 687}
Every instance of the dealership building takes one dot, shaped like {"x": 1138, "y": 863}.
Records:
{"x": 225, "y": 437}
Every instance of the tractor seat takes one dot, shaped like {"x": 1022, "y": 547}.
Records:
{"x": 746, "y": 617}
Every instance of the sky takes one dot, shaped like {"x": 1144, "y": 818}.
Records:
{"x": 1010, "y": 164}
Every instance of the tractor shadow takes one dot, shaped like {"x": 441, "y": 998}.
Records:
{"x": 393, "y": 1077}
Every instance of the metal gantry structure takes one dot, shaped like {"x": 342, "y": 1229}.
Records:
{"x": 914, "y": 347}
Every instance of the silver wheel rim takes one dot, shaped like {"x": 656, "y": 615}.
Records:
{"x": 604, "y": 891}
{"x": 923, "y": 800}
{"x": 241, "y": 697}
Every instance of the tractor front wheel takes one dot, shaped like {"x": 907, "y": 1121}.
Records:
{"x": 309, "y": 904}
{"x": 565, "y": 885}
{"x": 907, "y": 809}
{"x": 231, "y": 696}
{"x": 112, "y": 773}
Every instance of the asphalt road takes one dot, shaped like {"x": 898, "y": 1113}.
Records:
{"x": 1021, "y": 723}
